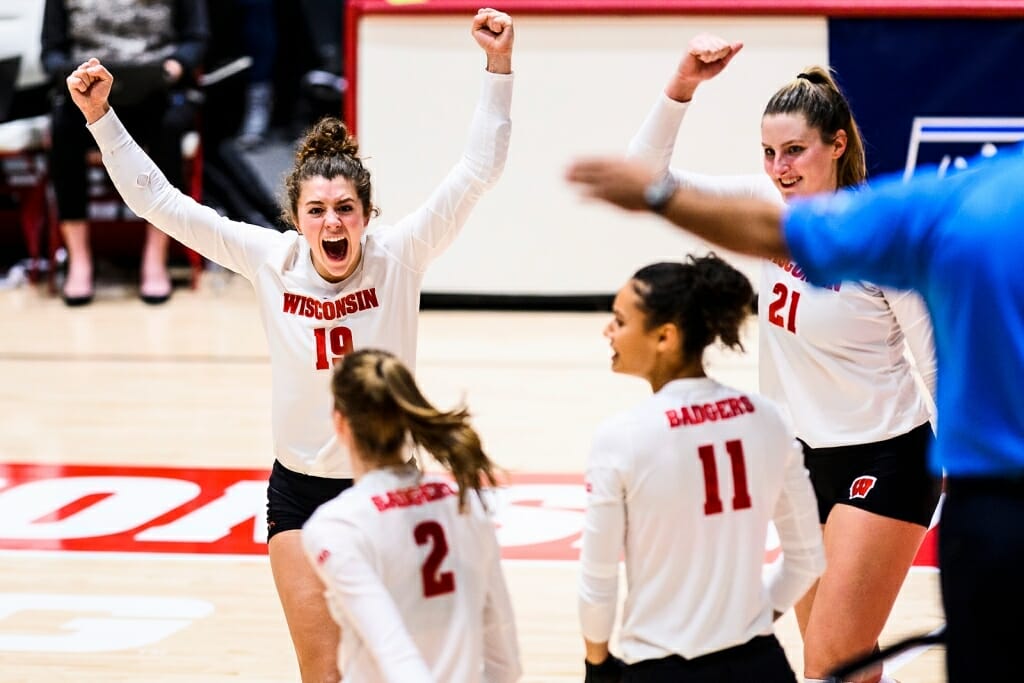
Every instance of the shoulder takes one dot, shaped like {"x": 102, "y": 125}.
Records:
{"x": 619, "y": 426}
{"x": 620, "y": 435}
{"x": 265, "y": 238}
{"x": 381, "y": 239}
{"x": 283, "y": 250}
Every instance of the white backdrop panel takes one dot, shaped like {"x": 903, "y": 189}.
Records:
{"x": 583, "y": 85}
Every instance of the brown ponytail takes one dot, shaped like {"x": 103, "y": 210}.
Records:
{"x": 384, "y": 406}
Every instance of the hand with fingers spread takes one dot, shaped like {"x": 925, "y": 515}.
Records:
{"x": 89, "y": 86}
{"x": 493, "y": 31}
{"x": 618, "y": 181}
{"x": 706, "y": 56}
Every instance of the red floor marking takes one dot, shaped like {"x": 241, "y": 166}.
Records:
{"x": 222, "y": 512}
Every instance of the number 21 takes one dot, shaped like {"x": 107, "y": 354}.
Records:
{"x": 774, "y": 316}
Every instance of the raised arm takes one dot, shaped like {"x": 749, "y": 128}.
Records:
{"x": 492, "y": 30}
{"x": 417, "y": 239}
{"x": 238, "y": 246}
{"x": 89, "y": 85}
{"x": 654, "y": 142}
{"x": 706, "y": 56}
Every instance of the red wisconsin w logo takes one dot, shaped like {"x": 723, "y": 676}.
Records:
{"x": 861, "y": 486}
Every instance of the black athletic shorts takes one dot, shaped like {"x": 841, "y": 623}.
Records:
{"x": 760, "y": 659}
{"x": 889, "y": 478}
{"x": 292, "y": 497}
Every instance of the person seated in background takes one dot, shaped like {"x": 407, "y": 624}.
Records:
{"x": 259, "y": 33}
{"x": 163, "y": 41}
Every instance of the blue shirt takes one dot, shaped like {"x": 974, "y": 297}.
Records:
{"x": 959, "y": 241}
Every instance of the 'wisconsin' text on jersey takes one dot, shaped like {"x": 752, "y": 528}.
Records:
{"x": 414, "y": 495}
{"x": 297, "y": 304}
{"x": 709, "y": 412}
{"x": 798, "y": 272}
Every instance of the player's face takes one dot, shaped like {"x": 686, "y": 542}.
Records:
{"x": 331, "y": 218}
{"x": 634, "y": 348}
{"x": 797, "y": 160}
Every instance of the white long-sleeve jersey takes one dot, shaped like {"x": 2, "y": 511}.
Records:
{"x": 416, "y": 586}
{"x": 834, "y": 358}
{"x": 687, "y": 483}
{"x": 310, "y": 322}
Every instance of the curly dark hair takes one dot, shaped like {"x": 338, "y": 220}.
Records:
{"x": 704, "y": 296}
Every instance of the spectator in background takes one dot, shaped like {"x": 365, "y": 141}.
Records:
{"x": 163, "y": 41}
{"x": 259, "y": 37}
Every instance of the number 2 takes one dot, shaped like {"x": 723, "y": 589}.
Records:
{"x": 774, "y": 316}
{"x": 741, "y": 491}
{"x": 435, "y": 582}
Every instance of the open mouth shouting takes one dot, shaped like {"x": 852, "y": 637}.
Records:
{"x": 335, "y": 249}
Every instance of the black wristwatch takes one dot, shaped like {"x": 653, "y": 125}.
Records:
{"x": 659, "y": 192}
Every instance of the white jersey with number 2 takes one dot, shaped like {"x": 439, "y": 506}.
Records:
{"x": 416, "y": 586}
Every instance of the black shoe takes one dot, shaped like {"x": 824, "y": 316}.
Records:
{"x": 154, "y": 299}
{"x": 76, "y": 300}
{"x": 157, "y": 299}
{"x": 80, "y": 300}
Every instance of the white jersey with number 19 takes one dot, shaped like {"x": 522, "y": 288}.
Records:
{"x": 310, "y": 322}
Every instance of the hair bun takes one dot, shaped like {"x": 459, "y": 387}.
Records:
{"x": 815, "y": 76}
{"x": 329, "y": 137}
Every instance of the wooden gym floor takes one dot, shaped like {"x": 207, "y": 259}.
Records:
{"x": 172, "y": 404}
